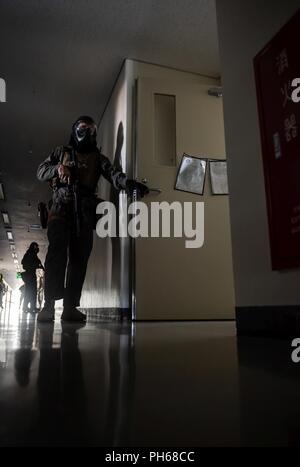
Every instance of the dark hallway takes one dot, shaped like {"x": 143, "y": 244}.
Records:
{"x": 149, "y": 224}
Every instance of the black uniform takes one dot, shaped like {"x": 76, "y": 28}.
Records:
{"x": 30, "y": 263}
{"x": 69, "y": 249}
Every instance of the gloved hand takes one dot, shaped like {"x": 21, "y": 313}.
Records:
{"x": 141, "y": 189}
{"x": 64, "y": 173}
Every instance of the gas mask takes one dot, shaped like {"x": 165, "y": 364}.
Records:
{"x": 84, "y": 134}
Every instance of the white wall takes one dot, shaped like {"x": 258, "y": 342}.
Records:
{"x": 244, "y": 28}
{"x": 108, "y": 275}
{"x": 107, "y": 280}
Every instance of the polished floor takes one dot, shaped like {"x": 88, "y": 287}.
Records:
{"x": 144, "y": 384}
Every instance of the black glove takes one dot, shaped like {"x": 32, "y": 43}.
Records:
{"x": 141, "y": 189}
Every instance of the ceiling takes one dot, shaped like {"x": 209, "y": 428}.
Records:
{"x": 60, "y": 59}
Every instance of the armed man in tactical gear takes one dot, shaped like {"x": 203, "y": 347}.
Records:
{"x": 73, "y": 172}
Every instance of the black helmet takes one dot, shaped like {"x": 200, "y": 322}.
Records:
{"x": 34, "y": 247}
{"x": 84, "y": 134}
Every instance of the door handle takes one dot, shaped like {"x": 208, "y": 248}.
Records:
{"x": 154, "y": 190}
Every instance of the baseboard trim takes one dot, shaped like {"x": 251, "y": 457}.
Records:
{"x": 112, "y": 314}
{"x": 184, "y": 320}
{"x": 268, "y": 321}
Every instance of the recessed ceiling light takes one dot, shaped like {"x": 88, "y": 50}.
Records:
{"x": 16, "y": 261}
{"x": 6, "y": 218}
{"x": 10, "y": 236}
{"x": 13, "y": 247}
{"x": 2, "y": 195}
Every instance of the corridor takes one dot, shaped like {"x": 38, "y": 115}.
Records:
{"x": 144, "y": 384}
{"x": 149, "y": 185}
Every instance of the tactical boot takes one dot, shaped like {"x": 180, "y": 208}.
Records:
{"x": 47, "y": 313}
{"x": 73, "y": 315}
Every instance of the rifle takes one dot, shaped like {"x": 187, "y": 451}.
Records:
{"x": 73, "y": 186}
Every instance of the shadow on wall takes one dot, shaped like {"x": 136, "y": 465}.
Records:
{"x": 104, "y": 280}
{"x": 114, "y": 198}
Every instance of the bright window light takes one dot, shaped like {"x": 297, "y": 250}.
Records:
{"x": 5, "y": 217}
{"x": 2, "y": 195}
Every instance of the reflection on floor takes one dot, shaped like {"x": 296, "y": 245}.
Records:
{"x": 144, "y": 384}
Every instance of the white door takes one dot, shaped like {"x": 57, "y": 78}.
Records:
{"x": 172, "y": 282}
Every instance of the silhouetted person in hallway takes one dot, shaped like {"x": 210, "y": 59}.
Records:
{"x": 30, "y": 263}
{"x": 2, "y": 290}
{"x": 72, "y": 215}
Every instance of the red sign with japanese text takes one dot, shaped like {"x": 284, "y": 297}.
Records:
{"x": 276, "y": 66}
